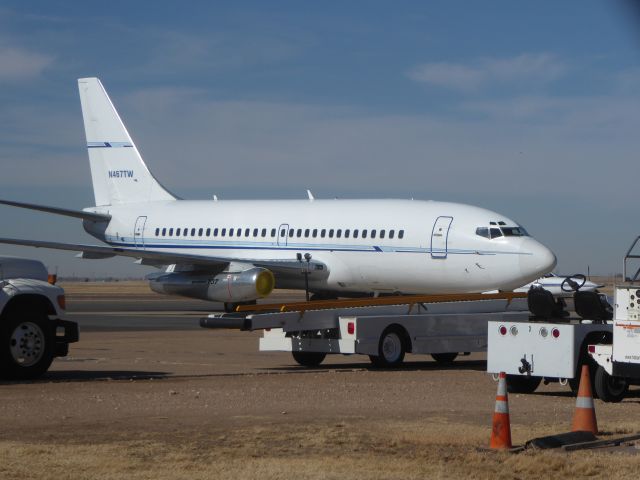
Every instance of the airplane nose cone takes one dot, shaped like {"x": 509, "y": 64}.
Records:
{"x": 536, "y": 259}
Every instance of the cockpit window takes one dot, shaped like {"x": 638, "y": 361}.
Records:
{"x": 514, "y": 232}
{"x": 483, "y": 232}
{"x": 495, "y": 232}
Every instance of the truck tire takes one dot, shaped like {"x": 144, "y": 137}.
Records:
{"x": 391, "y": 349}
{"x": 26, "y": 344}
{"x": 444, "y": 358}
{"x": 522, "y": 383}
{"x": 309, "y": 359}
{"x": 609, "y": 388}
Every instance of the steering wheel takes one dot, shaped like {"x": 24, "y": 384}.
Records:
{"x": 573, "y": 283}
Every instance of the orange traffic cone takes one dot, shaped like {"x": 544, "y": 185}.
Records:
{"x": 584, "y": 418}
{"x": 501, "y": 431}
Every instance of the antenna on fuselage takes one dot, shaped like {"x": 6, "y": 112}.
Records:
{"x": 215, "y": 198}
{"x": 310, "y": 195}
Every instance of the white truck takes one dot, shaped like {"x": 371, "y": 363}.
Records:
{"x": 604, "y": 337}
{"x": 32, "y": 331}
{"x": 384, "y": 329}
{"x": 618, "y": 361}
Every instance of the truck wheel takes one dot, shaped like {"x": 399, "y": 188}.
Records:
{"x": 444, "y": 358}
{"x": 391, "y": 350}
{"x": 609, "y": 388}
{"x": 522, "y": 384}
{"x": 26, "y": 345}
{"x": 309, "y": 359}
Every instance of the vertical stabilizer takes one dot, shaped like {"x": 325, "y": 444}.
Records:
{"x": 118, "y": 172}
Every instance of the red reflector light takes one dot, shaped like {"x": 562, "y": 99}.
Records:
{"x": 351, "y": 327}
{"x": 555, "y": 332}
{"x": 62, "y": 302}
{"x": 503, "y": 330}
{"x": 592, "y": 349}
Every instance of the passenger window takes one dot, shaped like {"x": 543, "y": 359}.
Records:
{"x": 323, "y": 232}
{"x": 171, "y": 232}
{"x": 215, "y": 232}
{"x": 200, "y": 232}
{"x": 208, "y": 232}
{"x": 483, "y": 232}
{"x": 392, "y": 233}
{"x": 231, "y": 232}
{"x": 315, "y": 232}
{"x": 373, "y": 234}
{"x": 331, "y": 233}
{"x": 355, "y": 233}
{"x": 364, "y": 233}
{"x": 164, "y": 232}
{"x": 346, "y": 233}
{"x": 177, "y": 232}
{"x": 299, "y": 233}
{"x": 255, "y": 232}
{"x": 338, "y": 233}
{"x": 157, "y": 231}
{"x": 283, "y": 233}
{"x": 291, "y": 232}
{"x": 401, "y": 234}
{"x": 224, "y": 232}
{"x": 246, "y": 232}
{"x": 381, "y": 233}
{"x": 264, "y": 232}
{"x": 495, "y": 233}
{"x": 306, "y": 233}
{"x": 193, "y": 232}
{"x": 273, "y": 233}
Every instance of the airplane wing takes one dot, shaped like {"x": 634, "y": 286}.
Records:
{"x": 277, "y": 266}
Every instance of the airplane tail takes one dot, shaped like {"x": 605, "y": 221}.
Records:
{"x": 118, "y": 172}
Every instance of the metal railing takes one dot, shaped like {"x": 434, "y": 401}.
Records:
{"x": 628, "y": 256}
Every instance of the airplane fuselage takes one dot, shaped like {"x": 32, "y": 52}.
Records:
{"x": 383, "y": 246}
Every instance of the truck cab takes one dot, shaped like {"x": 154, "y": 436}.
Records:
{"x": 32, "y": 329}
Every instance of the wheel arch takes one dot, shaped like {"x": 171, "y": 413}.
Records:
{"x": 30, "y": 301}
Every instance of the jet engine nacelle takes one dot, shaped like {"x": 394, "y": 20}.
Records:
{"x": 242, "y": 286}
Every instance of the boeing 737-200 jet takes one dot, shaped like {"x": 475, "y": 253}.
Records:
{"x": 238, "y": 250}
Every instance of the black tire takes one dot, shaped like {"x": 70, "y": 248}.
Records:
{"x": 608, "y": 388}
{"x": 522, "y": 384}
{"x": 309, "y": 359}
{"x": 26, "y": 344}
{"x": 444, "y": 358}
{"x": 391, "y": 349}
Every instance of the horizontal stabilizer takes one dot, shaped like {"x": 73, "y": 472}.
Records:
{"x": 95, "y": 217}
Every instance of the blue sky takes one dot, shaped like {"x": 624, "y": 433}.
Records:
{"x": 531, "y": 109}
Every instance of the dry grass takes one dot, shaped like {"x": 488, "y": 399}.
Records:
{"x": 389, "y": 450}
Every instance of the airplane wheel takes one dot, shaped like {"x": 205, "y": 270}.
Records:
{"x": 309, "y": 359}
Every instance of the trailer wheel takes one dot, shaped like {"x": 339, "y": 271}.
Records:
{"x": 26, "y": 345}
{"x": 444, "y": 358}
{"x": 309, "y": 359}
{"x": 609, "y": 388}
{"x": 522, "y": 384}
{"x": 391, "y": 349}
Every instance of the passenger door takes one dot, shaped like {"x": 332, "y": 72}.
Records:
{"x": 440, "y": 237}
{"x": 138, "y": 232}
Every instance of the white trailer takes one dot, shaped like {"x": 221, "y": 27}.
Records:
{"x": 530, "y": 351}
{"x": 383, "y": 329}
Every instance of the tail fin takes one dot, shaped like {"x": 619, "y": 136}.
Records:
{"x": 118, "y": 172}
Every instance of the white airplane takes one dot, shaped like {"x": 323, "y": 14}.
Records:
{"x": 238, "y": 251}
